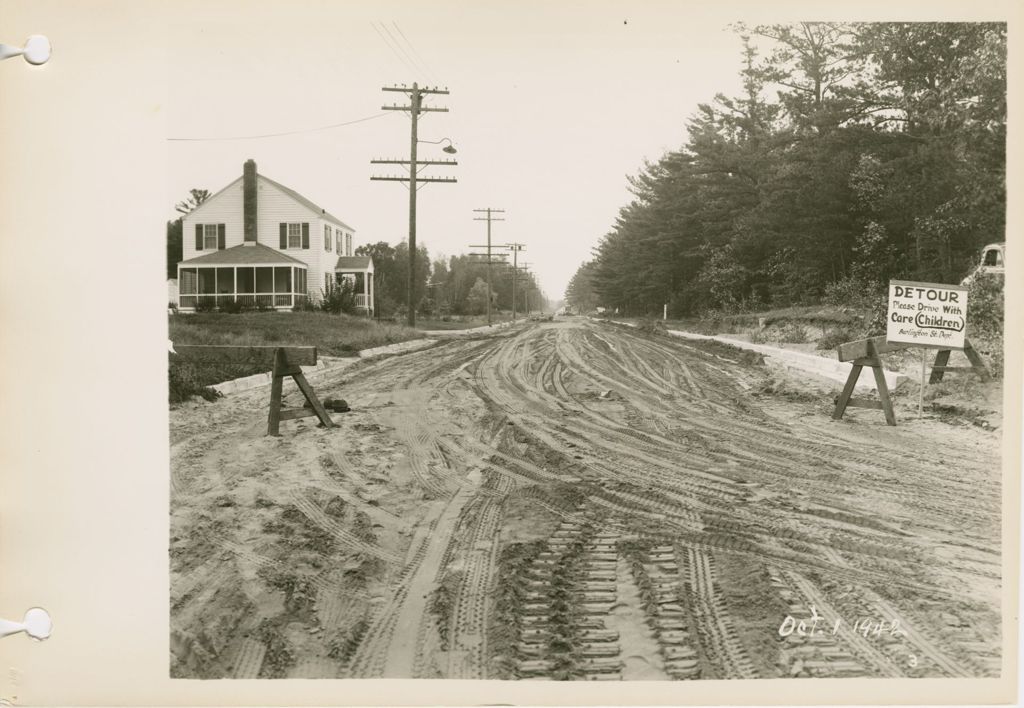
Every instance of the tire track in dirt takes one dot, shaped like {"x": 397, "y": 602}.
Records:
{"x": 679, "y": 455}
{"x": 315, "y": 514}
{"x": 724, "y": 648}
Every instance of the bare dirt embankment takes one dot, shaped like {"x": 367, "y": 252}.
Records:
{"x": 578, "y": 501}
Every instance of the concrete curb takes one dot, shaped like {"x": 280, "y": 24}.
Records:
{"x": 472, "y": 330}
{"x": 399, "y": 348}
{"x": 247, "y": 383}
{"x": 831, "y": 369}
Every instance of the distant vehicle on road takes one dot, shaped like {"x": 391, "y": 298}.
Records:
{"x": 993, "y": 260}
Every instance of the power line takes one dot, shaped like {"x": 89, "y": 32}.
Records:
{"x": 394, "y": 51}
{"x": 290, "y": 132}
{"x": 407, "y": 55}
{"x": 430, "y": 72}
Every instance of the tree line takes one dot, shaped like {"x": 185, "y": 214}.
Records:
{"x": 456, "y": 285}
{"x": 855, "y": 153}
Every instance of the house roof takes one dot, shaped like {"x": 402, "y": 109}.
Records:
{"x": 324, "y": 214}
{"x": 244, "y": 254}
{"x": 353, "y": 263}
{"x": 302, "y": 200}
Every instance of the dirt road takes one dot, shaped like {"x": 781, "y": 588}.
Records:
{"x": 572, "y": 500}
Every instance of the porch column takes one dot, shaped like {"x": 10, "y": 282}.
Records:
{"x": 372, "y": 304}
{"x": 366, "y": 290}
{"x": 234, "y": 294}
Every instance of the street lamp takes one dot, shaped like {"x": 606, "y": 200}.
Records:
{"x": 36, "y": 50}
{"x": 449, "y": 148}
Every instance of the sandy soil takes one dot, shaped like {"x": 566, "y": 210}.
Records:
{"x": 573, "y": 500}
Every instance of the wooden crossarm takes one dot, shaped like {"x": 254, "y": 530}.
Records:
{"x": 226, "y": 354}
{"x": 865, "y": 348}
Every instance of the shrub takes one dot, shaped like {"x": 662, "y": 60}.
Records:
{"x": 234, "y": 307}
{"x": 793, "y": 333}
{"x": 184, "y": 382}
{"x": 650, "y": 326}
{"x": 206, "y": 304}
{"x": 876, "y": 318}
{"x": 306, "y": 304}
{"x": 985, "y": 306}
{"x": 338, "y": 298}
{"x": 759, "y": 336}
{"x": 854, "y": 292}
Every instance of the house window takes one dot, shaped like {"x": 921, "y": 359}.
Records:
{"x": 210, "y": 237}
{"x": 294, "y": 236}
{"x": 348, "y": 244}
{"x": 337, "y": 241}
{"x": 327, "y": 238}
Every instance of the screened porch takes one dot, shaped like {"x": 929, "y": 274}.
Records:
{"x": 260, "y": 287}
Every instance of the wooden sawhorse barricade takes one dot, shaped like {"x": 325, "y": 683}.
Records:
{"x": 865, "y": 352}
{"x": 285, "y": 361}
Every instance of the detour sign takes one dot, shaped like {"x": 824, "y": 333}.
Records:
{"x": 926, "y": 314}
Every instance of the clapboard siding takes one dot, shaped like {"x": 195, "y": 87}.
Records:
{"x": 225, "y": 207}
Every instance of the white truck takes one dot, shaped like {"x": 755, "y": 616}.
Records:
{"x": 993, "y": 260}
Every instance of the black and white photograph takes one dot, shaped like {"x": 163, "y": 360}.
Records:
{"x": 583, "y": 346}
{"x": 467, "y": 353}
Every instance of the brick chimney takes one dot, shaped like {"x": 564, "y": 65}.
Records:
{"x": 249, "y": 202}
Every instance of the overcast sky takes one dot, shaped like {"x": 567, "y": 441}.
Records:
{"x": 552, "y": 105}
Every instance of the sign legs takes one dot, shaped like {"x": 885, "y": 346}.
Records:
{"x": 883, "y": 393}
{"x": 846, "y": 398}
{"x": 281, "y": 369}
{"x": 941, "y": 365}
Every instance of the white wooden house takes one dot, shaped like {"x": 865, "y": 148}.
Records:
{"x": 263, "y": 244}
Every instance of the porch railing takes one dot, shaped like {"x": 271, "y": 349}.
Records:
{"x": 361, "y": 301}
{"x": 253, "y": 300}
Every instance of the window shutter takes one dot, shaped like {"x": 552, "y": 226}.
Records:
{"x": 199, "y": 237}
{"x": 284, "y": 236}
{"x": 305, "y": 235}
{"x": 221, "y": 237}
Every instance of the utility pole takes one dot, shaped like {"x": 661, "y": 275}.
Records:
{"x": 515, "y": 248}
{"x": 526, "y": 269}
{"x": 492, "y": 258}
{"x": 415, "y": 107}
{"x": 489, "y": 218}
